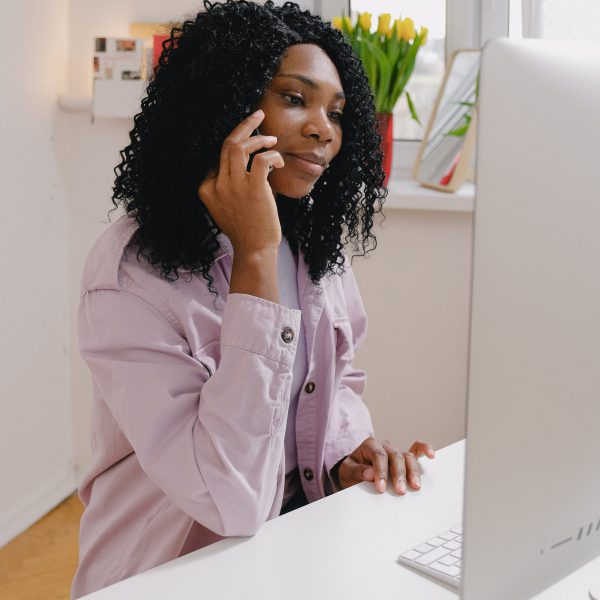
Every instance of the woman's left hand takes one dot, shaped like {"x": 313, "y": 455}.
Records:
{"x": 372, "y": 461}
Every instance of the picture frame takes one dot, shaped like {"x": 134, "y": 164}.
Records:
{"x": 444, "y": 159}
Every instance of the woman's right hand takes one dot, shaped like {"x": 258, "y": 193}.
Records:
{"x": 241, "y": 202}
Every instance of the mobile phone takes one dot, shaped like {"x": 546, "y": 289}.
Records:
{"x": 255, "y": 132}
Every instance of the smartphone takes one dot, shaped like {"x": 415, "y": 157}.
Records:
{"x": 255, "y": 132}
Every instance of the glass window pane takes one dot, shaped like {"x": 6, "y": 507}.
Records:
{"x": 515, "y": 24}
{"x": 431, "y": 60}
{"x": 560, "y": 20}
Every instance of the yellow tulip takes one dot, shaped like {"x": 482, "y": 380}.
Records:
{"x": 383, "y": 26}
{"x": 348, "y": 22}
{"x": 397, "y": 27}
{"x": 337, "y": 22}
{"x": 364, "y": 20}
{"x": 423, "y": 33}
{"x": 408, "y": 29}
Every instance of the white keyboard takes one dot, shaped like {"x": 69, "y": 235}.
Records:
{"x": 439, "y": 557}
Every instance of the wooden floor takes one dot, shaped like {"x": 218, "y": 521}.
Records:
{"x": 40, "y": 563}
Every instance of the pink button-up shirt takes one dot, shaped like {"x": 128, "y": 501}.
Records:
{"x": 190, "y": 401}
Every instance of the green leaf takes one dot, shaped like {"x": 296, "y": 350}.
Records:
{"x": 345, "y": 30}
{"x": 411, "y": 108}
{"x": 368, "y": 60}
{"x": 393, "y": 50}
{"x": 355, "y": 32}
{"x": 404, "y": 72}
{"x": 383, "y": 71}
{"x": 460, "y": 131}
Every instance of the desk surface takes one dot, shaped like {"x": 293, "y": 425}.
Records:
{"x": 344, "y": 546}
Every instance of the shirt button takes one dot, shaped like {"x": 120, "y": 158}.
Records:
{"x": 309, "y": 388}
{"x": 287, "y": 335}
{"x": 308, "y": 474}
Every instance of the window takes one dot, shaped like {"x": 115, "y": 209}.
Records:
{"x": 469, "y": 24}
{"x": 555, "y": 19}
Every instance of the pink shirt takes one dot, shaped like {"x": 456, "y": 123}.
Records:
{"x": 191, "y": 396}
{"x": 287, "y": 276}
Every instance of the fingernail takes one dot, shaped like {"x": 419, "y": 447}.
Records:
{"x": 381, "y": 485}
{"x": 416, "y": 482}
{"x": 258, "y": 113}
{"x": 401, "y": 487}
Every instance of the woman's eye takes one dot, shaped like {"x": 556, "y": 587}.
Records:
{"x": 298, "y": 101}
{"x": 292, "y": 99}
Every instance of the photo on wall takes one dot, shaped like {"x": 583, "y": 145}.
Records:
{"x": 118, "y": 58}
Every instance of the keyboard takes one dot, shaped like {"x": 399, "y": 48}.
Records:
{"x": 439, "y": 557}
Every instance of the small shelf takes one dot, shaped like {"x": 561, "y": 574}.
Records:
{"x": 69, "y": 103}
{"x": 111, "y": 99}
{"x": 406, "y": 194}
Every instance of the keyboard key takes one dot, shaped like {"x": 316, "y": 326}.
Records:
{"x": 457, "y": 529}
{"x": 452, "y": 570}
{"x": 452, "y": 545}
{"x": 449, "y": 560}
{"x": 459, "y": 539}
{"x": 457, "y": 553}
{"x": 459, "y": 563}
{"x": 436, "y": 541}
{"x": 429, "y": 557}
{"x": 411, "y": 555}
{"x": 447, "y": 535}
{"x": 425, "y": 548}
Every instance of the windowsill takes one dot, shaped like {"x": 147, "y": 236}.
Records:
{"x": 406, "y": 194}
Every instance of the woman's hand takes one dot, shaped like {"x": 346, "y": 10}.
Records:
{"x": 241, "y": 202}
{"x": 372, "y": 461}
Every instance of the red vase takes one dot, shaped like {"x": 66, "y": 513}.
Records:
{"x": 385, "y": 128}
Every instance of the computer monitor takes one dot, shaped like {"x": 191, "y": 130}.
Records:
{"x": 532, "y": 485}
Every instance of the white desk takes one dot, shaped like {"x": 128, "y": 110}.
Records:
{"x": 343, "y": 546}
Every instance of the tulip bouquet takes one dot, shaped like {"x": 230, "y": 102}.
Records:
{"x": 388, "y": 55}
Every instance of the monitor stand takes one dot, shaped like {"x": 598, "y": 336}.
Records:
{"x": 595, "y": 590}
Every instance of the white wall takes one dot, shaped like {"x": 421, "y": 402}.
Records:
{"x": 415, "y": 287}
{"x": 35, "y": 412}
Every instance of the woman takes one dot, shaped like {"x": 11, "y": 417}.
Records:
{"x": 220, "y": 349}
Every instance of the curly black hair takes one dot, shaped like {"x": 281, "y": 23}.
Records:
{"x": 212, "y": 72}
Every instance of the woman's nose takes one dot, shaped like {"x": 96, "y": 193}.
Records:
{"x": 318, "y": 125}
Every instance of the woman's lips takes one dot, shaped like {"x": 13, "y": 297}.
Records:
{"x": 304, "y": 165}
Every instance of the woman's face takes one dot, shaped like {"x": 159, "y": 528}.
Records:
{"x": 303, "y": 108}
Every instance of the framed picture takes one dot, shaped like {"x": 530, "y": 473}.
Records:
{"x": 444, "y": 159}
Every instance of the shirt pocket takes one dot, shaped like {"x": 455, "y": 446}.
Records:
{"x": 344, "y": 341}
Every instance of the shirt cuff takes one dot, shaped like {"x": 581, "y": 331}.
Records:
{"x": 261, "y": 326}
